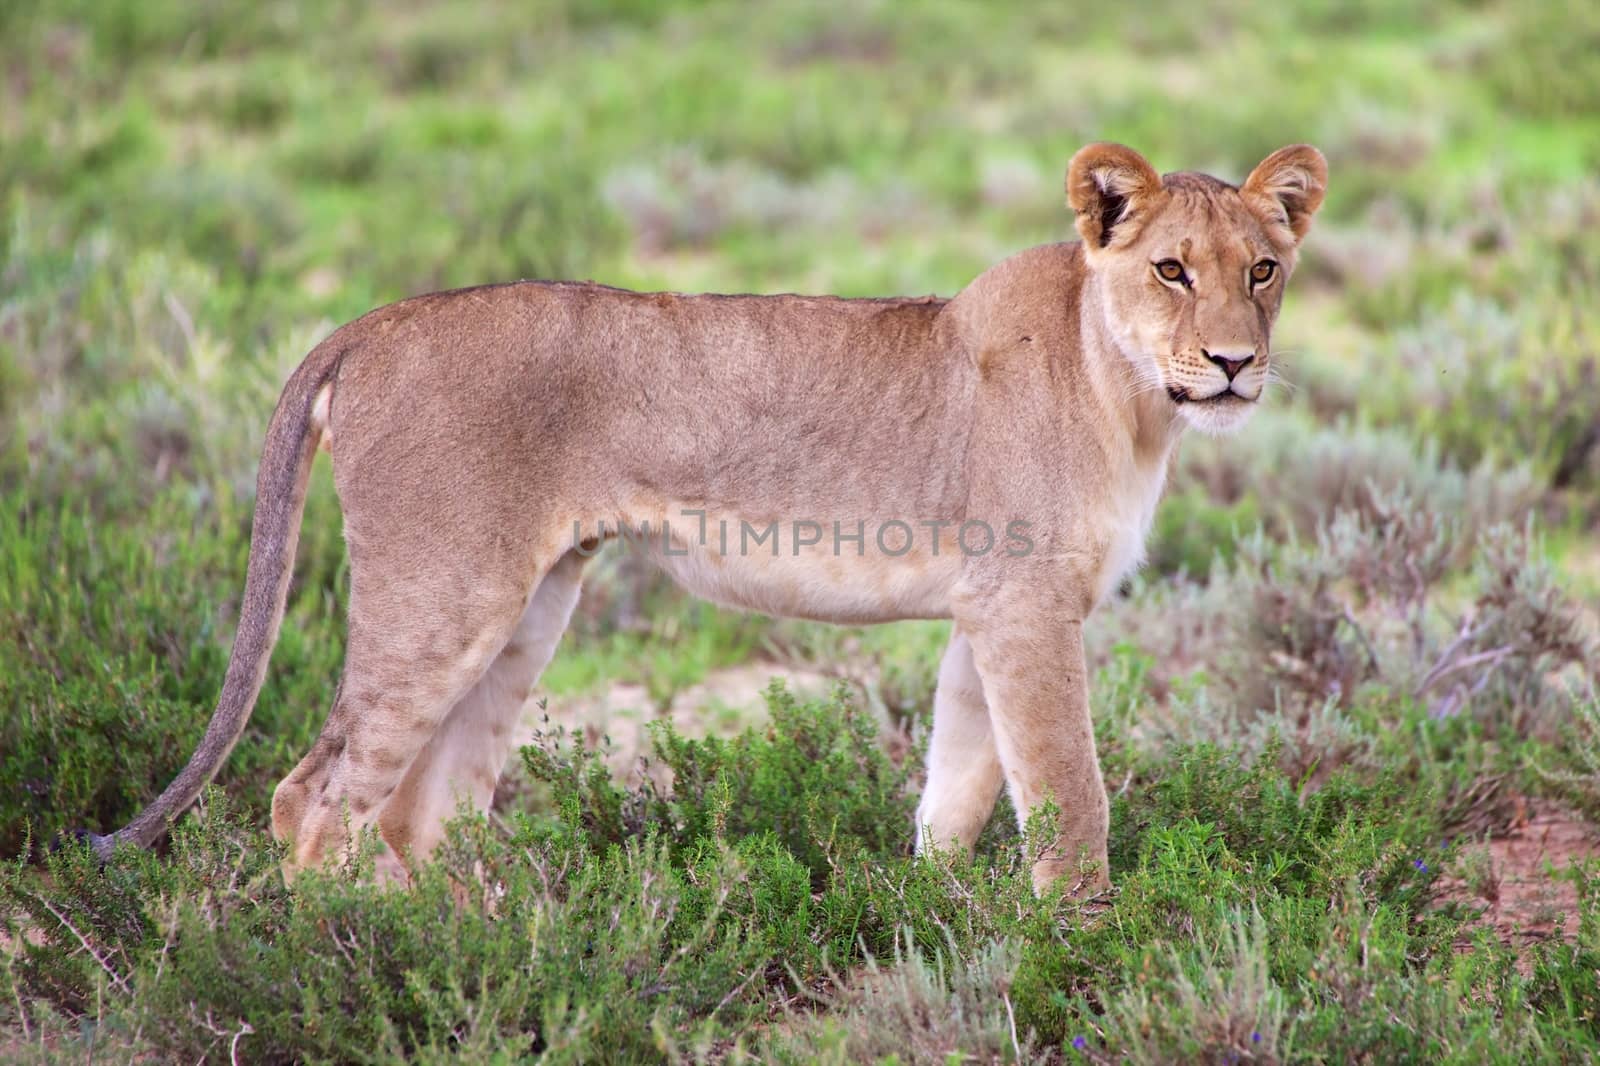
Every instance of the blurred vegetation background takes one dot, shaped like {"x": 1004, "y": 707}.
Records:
{"x": 196, "y": 191}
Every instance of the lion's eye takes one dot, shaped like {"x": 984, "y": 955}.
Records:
{"x": 1262, "y": 272}
{"x": 1171, "y": 270}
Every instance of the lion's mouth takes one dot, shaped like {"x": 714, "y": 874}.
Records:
{"x": 1225, "y": 398}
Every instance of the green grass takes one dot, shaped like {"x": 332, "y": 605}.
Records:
{"x": 1367, "y": 627}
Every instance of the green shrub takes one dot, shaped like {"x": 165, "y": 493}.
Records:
{"x": 112, "y": 651}
{"x": 590, "y": 934}
{"x": 1375, "y": 607}
{"x": 816, "y": 780}
{"x": 924, "y": 1008}
{"x": 1490, "y": 386}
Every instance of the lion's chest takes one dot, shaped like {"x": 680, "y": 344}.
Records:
{"x": 1128, "y": 528}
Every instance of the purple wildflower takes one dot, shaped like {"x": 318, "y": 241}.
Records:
{"x": 1080, "y": 1042}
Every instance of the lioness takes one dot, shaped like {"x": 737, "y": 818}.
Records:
{"x": 994, "y": 458}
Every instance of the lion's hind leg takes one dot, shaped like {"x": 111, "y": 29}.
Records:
{"x": 964, "y": 776}
{"x": 420, "y": 639}
{"x": 463, "y": 759}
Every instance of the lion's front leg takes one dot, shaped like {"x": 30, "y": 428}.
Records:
{"x": 1028, "y": 650}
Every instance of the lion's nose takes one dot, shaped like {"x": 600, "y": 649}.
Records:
{"x": 1230, "y": 366}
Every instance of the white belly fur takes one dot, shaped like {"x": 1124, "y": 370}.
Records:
{"x": 824, "y": 582}
{"x": 843, "y": 580}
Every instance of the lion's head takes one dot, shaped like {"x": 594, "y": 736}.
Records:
{"x": 1190, "y": 270}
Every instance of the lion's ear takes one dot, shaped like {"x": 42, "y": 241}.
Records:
{"x": 1287, "y": 187}
{"x": 1110, "y": 187}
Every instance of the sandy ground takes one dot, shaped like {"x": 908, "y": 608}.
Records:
{"x": 1514, "y": 877}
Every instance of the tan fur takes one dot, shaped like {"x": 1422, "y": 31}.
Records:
{"x": 485, "y": 441}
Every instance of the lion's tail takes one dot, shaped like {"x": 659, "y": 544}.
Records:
{"x": 293, "y": 436}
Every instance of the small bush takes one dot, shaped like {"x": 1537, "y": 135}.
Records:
{"x": 1291, "y": 479}
{"x": 1226, "y": 1008}
{"x": 1374, "y": 605}
{"x": 1573, "y": 768}
{"x": 922, "y": 1009}
{"x": 816, "y": 779}
{"x": 1486, "y": 384}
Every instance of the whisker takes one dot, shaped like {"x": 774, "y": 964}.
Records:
{"x": 1137, "y": 380}
{"x": 1278, "y": 377}
{"x": 1141, "y": 385}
